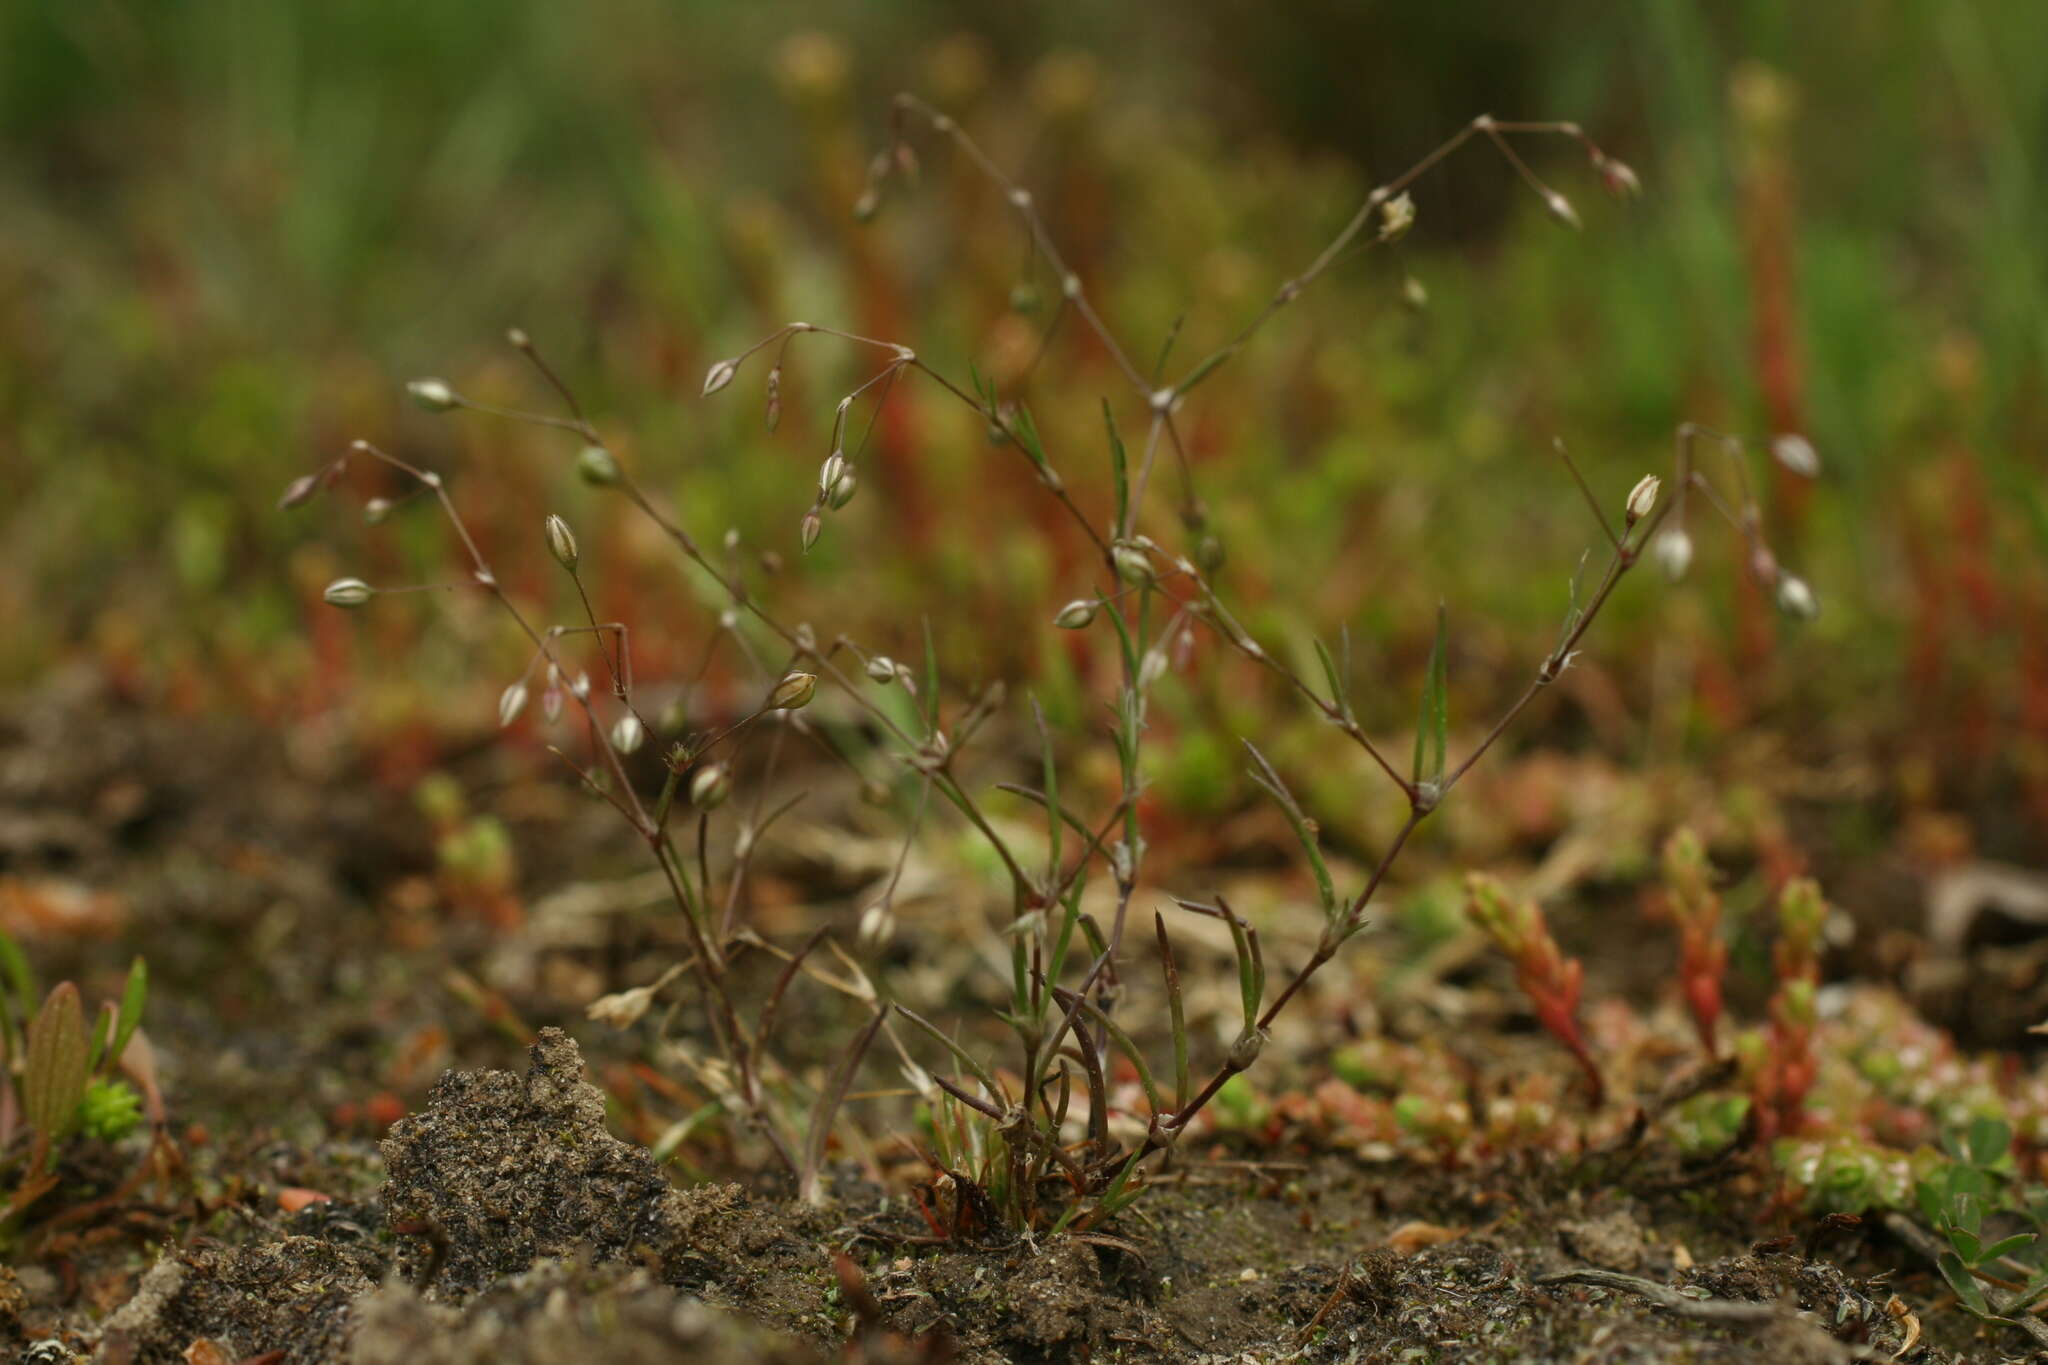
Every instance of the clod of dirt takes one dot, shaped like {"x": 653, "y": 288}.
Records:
{"x": 291, "y": 1295}
{"x": 499, "y": 1171}
{"x": 562, "y": 1311}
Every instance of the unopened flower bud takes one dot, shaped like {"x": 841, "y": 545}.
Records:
{"x": 1795, "y": 599}
{"x": 1414, "y": 295}
{"x": 719, "y": 375}
{"x": 376, "y": 509}
{"x": 710, "y": 785}
{"x": 562, "y": 542}
{"x": 882, "y": 669}
{"x": 793, "y": 692}
{"x": 809, "y": 529}
{"x": 628, "y": 734}
{"x": 1674, "y": 553}
{"x": 1209, "y": 553}
{"x": 597, "y": 467}
{"x": 774, "y": 398}
{"x": 865, "y": 207}
{"x": 432, "y": 394}
{"x": 348, "y": 592}
{"x": 1561, "y": 209}
{"x": 510, "y": 703}
{"x": 841, "y": 492}
{"x": 1076, "y": 615}
{"x": 1642, "y": 498}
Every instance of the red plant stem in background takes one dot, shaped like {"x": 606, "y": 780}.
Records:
{"x": 1765, "y": 103}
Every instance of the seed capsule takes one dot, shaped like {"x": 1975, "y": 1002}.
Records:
{"x": 1674, "y": 553}
{"x": 1076, "y": 615}
{"x": 628, "y": 734}
{"x": 510, "y": 703}
{"x": 719, "y": 375}
{"x": 1795, "y": 599}
{"x": 710, "y": 785}
{"x": 793, "y": 692}
{"x": 432, "y": 394}
{"x": 348, "y": 592}
{"x": 882, "y": 669}
{"x": 597, "y": 467}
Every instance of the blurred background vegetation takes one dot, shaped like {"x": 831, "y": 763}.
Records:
{"x": 232, "y": 230}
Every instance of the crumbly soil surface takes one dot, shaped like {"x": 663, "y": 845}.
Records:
{"x": 324, "y": 1039}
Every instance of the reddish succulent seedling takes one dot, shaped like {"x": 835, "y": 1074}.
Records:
{"x": 1695, "y": 907}
{"x": 1551, "y": 980}
{"x": 1790, "y": 1066}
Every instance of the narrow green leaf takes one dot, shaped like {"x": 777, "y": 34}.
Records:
{"x": 1056, "y": 825}
{"x": 133, "y": 997}
{"x": 1340, "y": 696}
{"x": 1177, "y": 1011}
{"x": 1305, "y": 830}
{"x": 1119, "y": 467}
{"x": 2005, "y": 1246}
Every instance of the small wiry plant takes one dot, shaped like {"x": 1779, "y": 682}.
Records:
{"x": 1030, "y": 1142}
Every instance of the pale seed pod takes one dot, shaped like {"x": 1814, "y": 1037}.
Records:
{"x": 1561, "y": 209}
{"x": 348, "y": 592}
{"x": 809, "y": 529}
{"x": 1133, "y": 565}
{"x": 881, "y": 669}
{"x": 597, "y": 467}
{"x": 710, "y": 785}
{"x": 719, "y": 375}
{"x": 1414, "y": 295}
{"x": 841, "y": 492}
{"x": 376, "y": 510}
{"x": 1797, "y": 454}
{"x": 562, "y": 542}
{"x": 551, "y": 697}
{"x": 774, "y": 418}
{"x": 1674, "y": 553}
{"x": 511, "y": 702}
{"x": 877, "y": 927}
{"x": 299, "y": 492}
{"x": 1076, "y": 615}
{"x": 1250, "y": 1043}
{"x": 793, "y": 692}
{"x": 628, "y": 734}
{"x": 1796, "y": 599}
{"x": 432, "y": 394}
